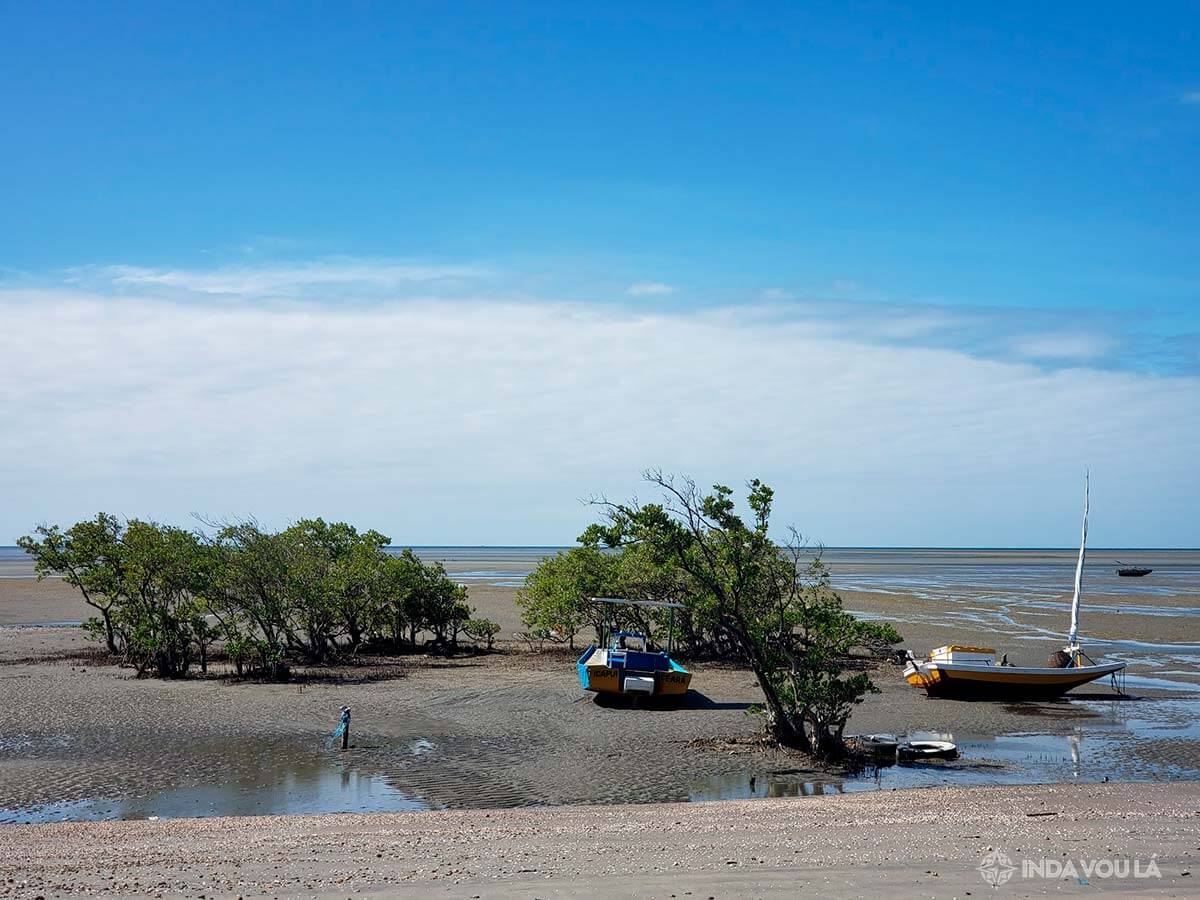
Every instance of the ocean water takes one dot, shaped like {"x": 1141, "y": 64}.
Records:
{"x": 930, "y": 573}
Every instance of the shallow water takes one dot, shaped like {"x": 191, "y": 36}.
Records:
{"x": 1108, "y": 750}
{"x": 322, "y": 789}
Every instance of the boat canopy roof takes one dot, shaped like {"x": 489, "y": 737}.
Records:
{"x": 654, "y": 604}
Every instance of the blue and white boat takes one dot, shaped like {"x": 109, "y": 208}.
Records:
{"x": 623, "y": 663}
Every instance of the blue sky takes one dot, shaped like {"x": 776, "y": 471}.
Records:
{"x": 950, "y": 216}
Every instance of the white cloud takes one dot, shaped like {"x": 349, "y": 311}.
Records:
{"x": 1069, "y": 347}
{"x": 1190, "y": 97}
{"x": 282, "y": 280}
{"x": 464, "y": 420}
{"x": 650, "y": 289}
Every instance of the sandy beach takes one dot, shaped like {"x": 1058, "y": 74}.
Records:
{"x": 899, "y": 844}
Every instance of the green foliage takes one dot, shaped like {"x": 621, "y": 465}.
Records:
{"x": 768, "y": 604}
{"x": 555, "y": 599}
{"x": 484, "y": 630}
{"x": 250, "y": 599}
{"x": 313, "y": 591}
{"x": 88, "y": 556}
{"x": 147, "y": 581}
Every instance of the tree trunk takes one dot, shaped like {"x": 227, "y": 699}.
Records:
{"x": 109, "y": 637}
{"x": 780, "y": 723}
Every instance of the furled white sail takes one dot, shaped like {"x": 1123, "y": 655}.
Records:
{"x": 1073, "y": 636}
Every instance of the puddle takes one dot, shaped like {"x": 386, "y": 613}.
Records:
{"x": 322, "y": 788}
{"x": 1146, "y": 682}
{"x": 137, "y": 775}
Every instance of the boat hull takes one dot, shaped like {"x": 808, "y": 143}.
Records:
{"x": 966, "y": 682}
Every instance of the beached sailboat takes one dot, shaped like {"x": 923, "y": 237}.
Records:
{"x": 972, "y": 673}
{"x": 621, "y": 662}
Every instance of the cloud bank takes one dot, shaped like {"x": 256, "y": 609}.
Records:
{"x": 446, "y": 420}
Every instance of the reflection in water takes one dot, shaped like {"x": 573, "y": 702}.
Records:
{"x": 291, "y": 785}
{"x": 739, "y": 787}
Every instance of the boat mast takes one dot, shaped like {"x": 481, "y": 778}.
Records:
{"x": 1073, "y": 636}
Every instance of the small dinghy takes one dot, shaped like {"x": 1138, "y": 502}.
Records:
{"x": 915, "y": 751}
{"x": 883, "y": 745}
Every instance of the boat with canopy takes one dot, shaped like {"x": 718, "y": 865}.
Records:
{"x": 622, "y": 662}
{"x": 973, "y": 673}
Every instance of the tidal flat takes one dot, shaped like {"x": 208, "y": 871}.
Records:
{"x": 84, "y": 740}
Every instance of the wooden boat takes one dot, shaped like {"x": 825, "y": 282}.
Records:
{"x": 972, "y": 673}
{"x": 625, "y": 664}
{"x": 1132, "y": 571}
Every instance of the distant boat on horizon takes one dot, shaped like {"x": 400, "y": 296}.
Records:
{"x": 1126, "y": 571}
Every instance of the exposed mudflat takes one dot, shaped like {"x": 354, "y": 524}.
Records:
{"x": 82, "y": 739}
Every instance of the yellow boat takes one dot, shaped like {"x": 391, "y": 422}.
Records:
{"x": 627, "y": 665}
{"x": 972, "y": 673}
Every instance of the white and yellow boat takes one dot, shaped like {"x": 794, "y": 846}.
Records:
{"x": 972, "y": 673}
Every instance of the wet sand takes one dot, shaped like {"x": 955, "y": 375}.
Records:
{"x": 897, "y": 844}
{"x": 24, "y": 601}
